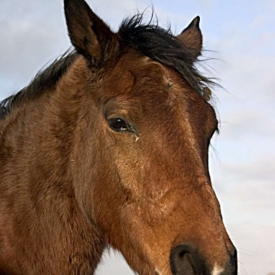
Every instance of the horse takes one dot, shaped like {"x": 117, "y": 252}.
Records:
{"x": 108, "y": 147}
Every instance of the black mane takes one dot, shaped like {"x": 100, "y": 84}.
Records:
{"x": 161, "y": 45}
{"x": 149, "y": 39}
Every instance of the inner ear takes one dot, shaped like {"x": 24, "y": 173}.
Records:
{"x": 191, "y": 37}
{"x": 90, "y": 36}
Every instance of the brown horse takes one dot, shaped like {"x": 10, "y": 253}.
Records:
{"x": 109, "y": 146}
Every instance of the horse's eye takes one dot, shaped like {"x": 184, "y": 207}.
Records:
{"x": 118, "y": 124}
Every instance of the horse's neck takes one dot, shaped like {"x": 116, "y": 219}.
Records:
{"x": 36, "y": 141}
{"x": 35, "y": 134}
{"x": 41, "y": 130}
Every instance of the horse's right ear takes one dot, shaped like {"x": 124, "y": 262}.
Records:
{"x": 90, "y": 36}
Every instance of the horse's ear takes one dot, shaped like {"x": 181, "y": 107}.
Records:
{"x": 90, "y": 36}
{"x": 191, "y": 37}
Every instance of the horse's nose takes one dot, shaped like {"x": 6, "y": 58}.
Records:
{"x": 186, "y": 260}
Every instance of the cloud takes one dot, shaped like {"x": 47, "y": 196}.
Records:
{"x": 249, "y": 124}
{"x": 255, "y": 247}
{"x": 28, "y": 41}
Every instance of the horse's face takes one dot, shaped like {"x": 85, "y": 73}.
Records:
{"x": 143, "y": 152}
{"x": 155, "y": 132}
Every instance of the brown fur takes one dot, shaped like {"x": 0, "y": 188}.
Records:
{"x": 70, "y": 185}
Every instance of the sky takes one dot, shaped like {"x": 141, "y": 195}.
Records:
{"x": 239, "y": 43}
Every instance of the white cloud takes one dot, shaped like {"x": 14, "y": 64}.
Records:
{"x": 255, "y": 247}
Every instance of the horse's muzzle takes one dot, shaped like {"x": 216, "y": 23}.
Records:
{"x": 186, "y": 260}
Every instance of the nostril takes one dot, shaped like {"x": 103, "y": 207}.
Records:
{"x": 185, "y": 259}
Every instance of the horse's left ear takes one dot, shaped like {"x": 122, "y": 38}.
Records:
{"x": 191, "y": 37}
{"x": 90, "y": 36}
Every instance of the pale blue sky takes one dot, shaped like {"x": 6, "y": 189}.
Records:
{"x": 242, "y": 36}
